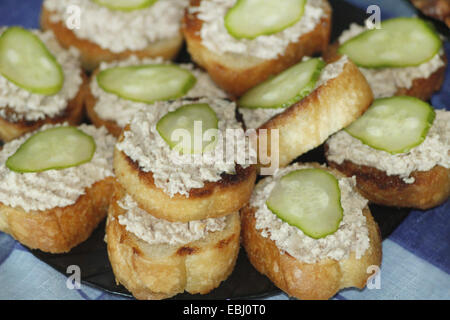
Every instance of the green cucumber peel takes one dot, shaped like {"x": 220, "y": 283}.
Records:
{"x": 125, "y": 5}
{"x": 185, "y": 118}
{"x": 401, "y": 42}
{"x": 26, "y": 62}
{"x": 249, "y": 19}
{"x": 147, "y": 83}
{"x": 286, "y": 88}
{"x": 395, "y": 125}
{"x": 53, "y": 149}
{"x": 308, "y": 199}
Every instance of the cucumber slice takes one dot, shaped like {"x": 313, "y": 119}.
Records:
{"x": 401, "y": 42}
{"x": 125, "y": 5}
{"x": 53, "y": 149}
{"x": 249, "y": 19}
{"x": 147, "y": 83}
{"x": 185, "y": 118}
{"x": 286, "y": 88}
{"x": 395, "y": 125}
{"x": 309, "y": 199}
{"x": 26, "y": 62}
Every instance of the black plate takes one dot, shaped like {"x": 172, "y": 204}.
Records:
{"x": 245, "y": 281}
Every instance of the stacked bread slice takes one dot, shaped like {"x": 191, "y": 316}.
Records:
{"x": 162, "y": 244}
{"x": 158, "y": 271}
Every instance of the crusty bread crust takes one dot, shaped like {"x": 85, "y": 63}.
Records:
{"x": 237, "y": 73}
{"x": 73, "y": 114}
{"x": 58, "y": 230}
{"x": 92, "y": 54}
{"x": 421, "y": 88}
{"x": 309, "y": 281}
{"x": 305, "y": 281}
{"x": 215, "y": 199}
{"x": 90, "y": 101}
{"x": 430, "y": 188}
{"x": 331, "y": 107}
{"x": 161, "y": 271}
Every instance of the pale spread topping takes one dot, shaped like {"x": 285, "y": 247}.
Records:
{"x": 18, "y": 104}
{"x": 217, "y": 39}
{"x": 385, "y": 82}
{"x": 351, "y": 237}
{"x": 434, "y": 150}
{"x": 55, "y": 188}
{"x": 179, "y": 173}
{"x": 158, "y": 231}
{"x": 111, "y": 107}
{"x": 117, "y": 30}
{"x": 255, "y": 118}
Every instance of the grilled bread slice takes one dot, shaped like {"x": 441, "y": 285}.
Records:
{"x": 309, "y": 281}
{"x": 331, "y": 107}
{"x": 213, "y": 200}
{"x": 321, "y": 280}
{"x": 73, "y": 114}
{"x": 92, "y": 54}
{"x": 158, "y": 271}
{"x": 58, "y": 230}
{"x": 236, "y": 73}
{"x": 429, "y": 189}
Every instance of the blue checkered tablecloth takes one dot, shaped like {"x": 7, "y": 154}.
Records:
{"x": 416, "y": 257}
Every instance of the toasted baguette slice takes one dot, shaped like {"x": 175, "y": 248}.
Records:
{"x": 73, "y": 114}
{"x": 215, "y": 199}
{"x": 309, "y": 122}
{"x": 90, "y": 102}
{"x": 237, "y": 73}
{"x": 430, "y": 188}
{"x": 92, "y": 54}
{"x": 309, "y": 281}
{"x": 162, "y": 271}
{"x": 58, "y": 230}
{"x": 421, "y": 88}
{"x": 317, "y": 281}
